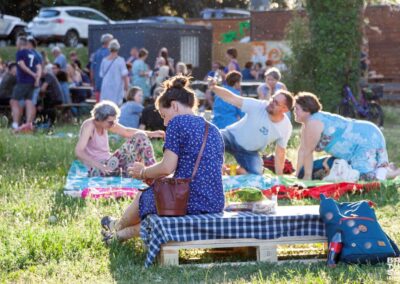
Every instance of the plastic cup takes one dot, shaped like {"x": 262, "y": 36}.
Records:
{"x": 232, "y": 169}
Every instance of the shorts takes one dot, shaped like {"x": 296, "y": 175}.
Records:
{"x": 23, "y": 92}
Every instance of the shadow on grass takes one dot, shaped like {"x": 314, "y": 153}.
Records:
{"x": 67, "y": 207}
{"x": 127, "y": 261}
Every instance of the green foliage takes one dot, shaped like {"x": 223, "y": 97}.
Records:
{"x": 300, "y": 74}
{"x": 326, "y": 47}
{"x": 335, "y": 28}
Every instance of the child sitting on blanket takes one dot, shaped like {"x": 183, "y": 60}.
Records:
{"x": 93, "y": 148}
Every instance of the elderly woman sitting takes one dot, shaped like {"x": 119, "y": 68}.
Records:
{"x": 183, "y": 141}
{"x": 360, "y": 143}
{"x": 93, "y": 148}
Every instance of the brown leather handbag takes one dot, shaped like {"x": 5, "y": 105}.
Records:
{"x": 172, "y": 194}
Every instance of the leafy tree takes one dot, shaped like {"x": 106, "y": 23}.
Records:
{"x": 326, "y": 48}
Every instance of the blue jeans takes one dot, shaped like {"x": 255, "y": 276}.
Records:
{"x": 318, "y": 168}
{"x": 249, "y": 160}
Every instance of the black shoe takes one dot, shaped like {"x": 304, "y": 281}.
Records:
{"x": 106, "y": 222}
{"x": 108, "y": 237}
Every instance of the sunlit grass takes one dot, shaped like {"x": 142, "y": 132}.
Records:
{"x": 36, "y": 249}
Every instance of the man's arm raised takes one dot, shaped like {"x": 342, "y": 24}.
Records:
{"x": 225, "y": 94}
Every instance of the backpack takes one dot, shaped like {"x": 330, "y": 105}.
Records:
{"x": 363, "y": 239}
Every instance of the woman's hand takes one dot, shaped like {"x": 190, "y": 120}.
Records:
{"x": 104, "y": 169}
{"x": 137, "y": 170}
{"x": 156, "y": 134}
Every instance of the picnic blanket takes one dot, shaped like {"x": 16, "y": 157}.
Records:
{"x": 289, "y": 221}
{"x": 80, "y": 185}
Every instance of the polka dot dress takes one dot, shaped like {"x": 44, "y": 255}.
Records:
{"x": 184, "y": 137}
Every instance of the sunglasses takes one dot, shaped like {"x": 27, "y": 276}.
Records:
{"x": 111, "y": 122}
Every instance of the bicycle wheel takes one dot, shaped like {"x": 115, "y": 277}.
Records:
{"x": 345, "y": 109}
{"x": 375, "y": 113}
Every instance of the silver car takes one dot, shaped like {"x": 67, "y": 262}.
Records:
{"x": 11, "y": 27}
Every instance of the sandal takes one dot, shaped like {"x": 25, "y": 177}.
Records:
{"x": 108, "y": 237}
{"x": 106, "y": 222}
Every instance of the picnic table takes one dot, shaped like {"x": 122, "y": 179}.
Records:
{"x": 249, "y": 88}
{"x": 290, "y": 224}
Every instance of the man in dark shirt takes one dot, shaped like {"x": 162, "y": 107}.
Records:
{"x": 8, "y": 83}
{"x": 51, "y": 93}
{"x": 32, "y": 44}
{"x": 27, "y": 79}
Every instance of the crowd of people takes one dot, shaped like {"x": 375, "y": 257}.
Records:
{"x": 241, "y": 126}
{"x": 33, "y": 86}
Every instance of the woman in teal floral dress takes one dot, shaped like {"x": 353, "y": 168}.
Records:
{"x": 360, "y": 143}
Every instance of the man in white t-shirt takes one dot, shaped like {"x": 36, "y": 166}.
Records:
{"x": 265, "y": 122}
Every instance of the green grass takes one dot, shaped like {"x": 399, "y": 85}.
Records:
{"x": 32, "y": 249}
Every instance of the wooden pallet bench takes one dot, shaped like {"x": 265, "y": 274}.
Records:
{"x": 266, "y": 249}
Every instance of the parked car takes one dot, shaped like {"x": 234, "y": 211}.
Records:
{"x": 224, "y": 13}
{"x": 69, "y": 24}
{"x": 162, "y": 19}
{"x": 11, "y": 27}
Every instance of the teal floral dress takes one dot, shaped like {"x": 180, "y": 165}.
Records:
{"x": 138, "y": 80}
{"x": 360, "y": 143}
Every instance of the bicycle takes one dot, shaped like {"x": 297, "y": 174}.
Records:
{"x": 365, "y": 108}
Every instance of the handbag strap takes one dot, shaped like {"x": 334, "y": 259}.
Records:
{"x": 109, "y": 66}
{"x": 196, "y": 166}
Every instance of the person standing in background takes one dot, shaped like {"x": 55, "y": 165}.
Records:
{"x": 134, "y": 54}
{"x": 115, "y": 75}
{"x": 95, "y": 64}
{"x": 27, "y": 79}
{"x": 231, "y": 55}
{"x": 32, "y": 44}
{"x": 141, "y": 73}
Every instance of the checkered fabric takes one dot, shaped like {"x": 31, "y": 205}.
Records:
{"x": 288, "y": 221}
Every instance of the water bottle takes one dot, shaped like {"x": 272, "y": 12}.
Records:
{"x": 335, "y": 248}
{"x": 218, "y": 78}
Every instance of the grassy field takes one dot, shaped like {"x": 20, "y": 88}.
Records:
{"x": 35, "y": 250}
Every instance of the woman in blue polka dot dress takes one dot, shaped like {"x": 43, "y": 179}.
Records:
{"x": 184, "y": 137}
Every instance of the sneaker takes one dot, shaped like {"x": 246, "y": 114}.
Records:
{"x": 107, "y": 223}
{"x": 25, "y": 128}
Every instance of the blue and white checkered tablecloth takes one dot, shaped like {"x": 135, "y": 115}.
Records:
{"x": 287, "y": 222}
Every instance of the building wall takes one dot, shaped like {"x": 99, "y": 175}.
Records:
{"x": 220, "y": 26}
{"x": 384, "y": 41}
{"x": 383, "y": 35}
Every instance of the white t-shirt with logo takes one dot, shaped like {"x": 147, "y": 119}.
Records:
{"x": 256, "y": 130}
